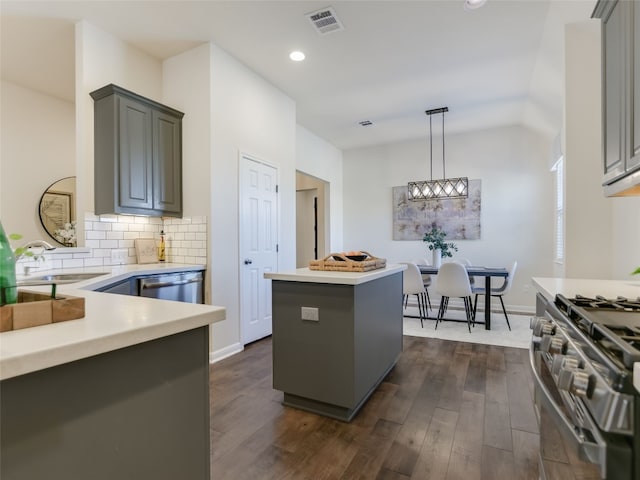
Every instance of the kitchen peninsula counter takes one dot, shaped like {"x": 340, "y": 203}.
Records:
{"x": 111, "y": 322}
{"x": 120, "y": 393}
{"x": 336, "y": 335}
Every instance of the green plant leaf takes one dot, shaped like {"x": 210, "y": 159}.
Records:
{"x": 435, "y": 240}
{"x": 15, "y": 236}
{"x": 636, "y": 271}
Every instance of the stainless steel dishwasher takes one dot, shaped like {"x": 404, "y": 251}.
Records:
{"x": 181, "y": 287}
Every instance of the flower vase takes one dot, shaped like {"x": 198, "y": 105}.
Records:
{"x": 437, "y": 258}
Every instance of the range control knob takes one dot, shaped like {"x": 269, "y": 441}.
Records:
{"x": 566, "y": 375}
{"x": 552, "y": 344}
{"x": 557, "y": 346}
{"x": 542, "y": 326}
{"x": 562, "y": 367}
{"x": 580, "y": 383}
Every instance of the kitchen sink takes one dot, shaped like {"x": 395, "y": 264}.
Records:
{"x": 58, "y": 278}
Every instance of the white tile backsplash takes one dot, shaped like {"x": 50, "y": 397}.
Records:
{"x": 185, "y": 239}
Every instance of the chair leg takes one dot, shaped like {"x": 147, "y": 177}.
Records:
{"x": 425, "y": 305}
{"x": 428, "y": 299}
{"x": 441, "y": 310}
{"x": 475, "y": 307}
{"x": 420, "y": 308}
{"x": 505, "y": 311}
{"x": 468, "y": 311}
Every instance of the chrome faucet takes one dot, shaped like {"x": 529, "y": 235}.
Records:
{"x": 39, "y": 243}
{"x": 24, "y": 250}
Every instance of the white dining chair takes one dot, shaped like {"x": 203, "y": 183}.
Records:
{"x": 453, "y": 281}
{"x": 426, "y": 278}
{"x": 499, "y": 292}
{"x": 412, "y": 285}
{"x": 467, "y": 263}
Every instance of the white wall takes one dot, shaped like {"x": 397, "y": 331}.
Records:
{"x": 249, "y": 116}
{"x": 625, "y": 237}
{"x": 37, "y": 141}
{"x": 588, "y": 212}
{"x": 517, "y": 200}
{"x": 187, "y": 87}
{"x": 317, "y": 157}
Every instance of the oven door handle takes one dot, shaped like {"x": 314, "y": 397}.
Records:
{"x": 594, "y": 452}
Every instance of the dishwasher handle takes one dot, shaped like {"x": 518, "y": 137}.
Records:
{"x": 151, "y": 284}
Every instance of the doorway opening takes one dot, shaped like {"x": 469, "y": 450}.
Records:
{"x": 312, "y": 219}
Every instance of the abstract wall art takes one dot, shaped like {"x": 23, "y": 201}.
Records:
{"x": 459, "y": 218}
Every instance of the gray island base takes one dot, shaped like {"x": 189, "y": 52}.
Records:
{"x": 332, "y": 365}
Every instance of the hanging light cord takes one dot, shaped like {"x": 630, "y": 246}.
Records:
{"x": 444, "y": 175}
{"x": 431, "y": 145}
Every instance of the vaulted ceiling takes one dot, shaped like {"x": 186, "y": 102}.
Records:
{"x": 498, "y": 65}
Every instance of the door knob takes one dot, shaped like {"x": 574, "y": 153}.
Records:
{"x": 248, "y": 261}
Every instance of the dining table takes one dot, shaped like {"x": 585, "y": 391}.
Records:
{"x": 476, "y": 271}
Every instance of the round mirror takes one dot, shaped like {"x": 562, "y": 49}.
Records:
{"x": 58, "y": 211}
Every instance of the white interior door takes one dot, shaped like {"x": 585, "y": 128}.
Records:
{"x": 258, "y": 246}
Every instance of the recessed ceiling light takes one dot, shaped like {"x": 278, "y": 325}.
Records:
{"x": 297, "y": 56}
{"x": 473, "y": 4}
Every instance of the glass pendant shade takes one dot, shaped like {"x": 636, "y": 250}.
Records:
{"x": 442, "y": 188}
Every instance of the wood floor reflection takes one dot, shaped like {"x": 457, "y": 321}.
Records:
{"x": 448, "y": 410}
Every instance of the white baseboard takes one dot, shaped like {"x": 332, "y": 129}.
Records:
{"x": 225, "y": 352}
{"x": 457, "y": 304}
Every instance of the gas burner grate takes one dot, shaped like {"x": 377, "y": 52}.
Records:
{"x": 611, "y": 324}
{"x": 619, "y": 341}
{"x": 618, "y": 303}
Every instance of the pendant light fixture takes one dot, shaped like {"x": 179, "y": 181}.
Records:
{"x": 444, "y": 187}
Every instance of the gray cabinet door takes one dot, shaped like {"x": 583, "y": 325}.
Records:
{"x": 167, "y": 163}
{"x": 135, "y": 162}
{"x": 613, "y": 77}
{"x": 138, "y": 154}
{"x": 635, "y": 93}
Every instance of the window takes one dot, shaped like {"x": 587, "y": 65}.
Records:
{"x": 558, "y": 168}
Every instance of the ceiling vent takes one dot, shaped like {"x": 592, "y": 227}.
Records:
{"x": 366, "y": 123}
{"x": 325, "y": 20}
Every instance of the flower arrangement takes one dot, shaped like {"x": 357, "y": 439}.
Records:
{"x": 67, "y": 235}
{"x": 435, "y": 240}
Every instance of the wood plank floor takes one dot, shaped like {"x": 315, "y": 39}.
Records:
{"x": 448, "y": 410}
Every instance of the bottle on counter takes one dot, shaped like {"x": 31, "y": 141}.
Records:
{"x": 161, "y": 248}
{"x": 8, "y": 288}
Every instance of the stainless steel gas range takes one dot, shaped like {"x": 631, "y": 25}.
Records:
{"x": 582, "y": 356}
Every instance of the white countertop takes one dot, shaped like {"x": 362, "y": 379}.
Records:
{"x": 342, "y": 278}
{"x": 570, "y": 287}
{"x": 112, "y": 274}
{"x": 111, "y": 322}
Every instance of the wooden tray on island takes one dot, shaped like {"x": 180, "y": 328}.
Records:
{"x": 344, "y": 264}
{"x": 35, "y": 309}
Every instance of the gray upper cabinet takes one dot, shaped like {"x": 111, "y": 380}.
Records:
{"x": 138, "y": 154}
{"x": 621, "y": 95}
{"x": 635, "y": 118}
{"x": 613, "y": 84}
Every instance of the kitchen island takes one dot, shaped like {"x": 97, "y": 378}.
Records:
{"x": 120, "y": 393}
{"x": 336, "y": 335}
